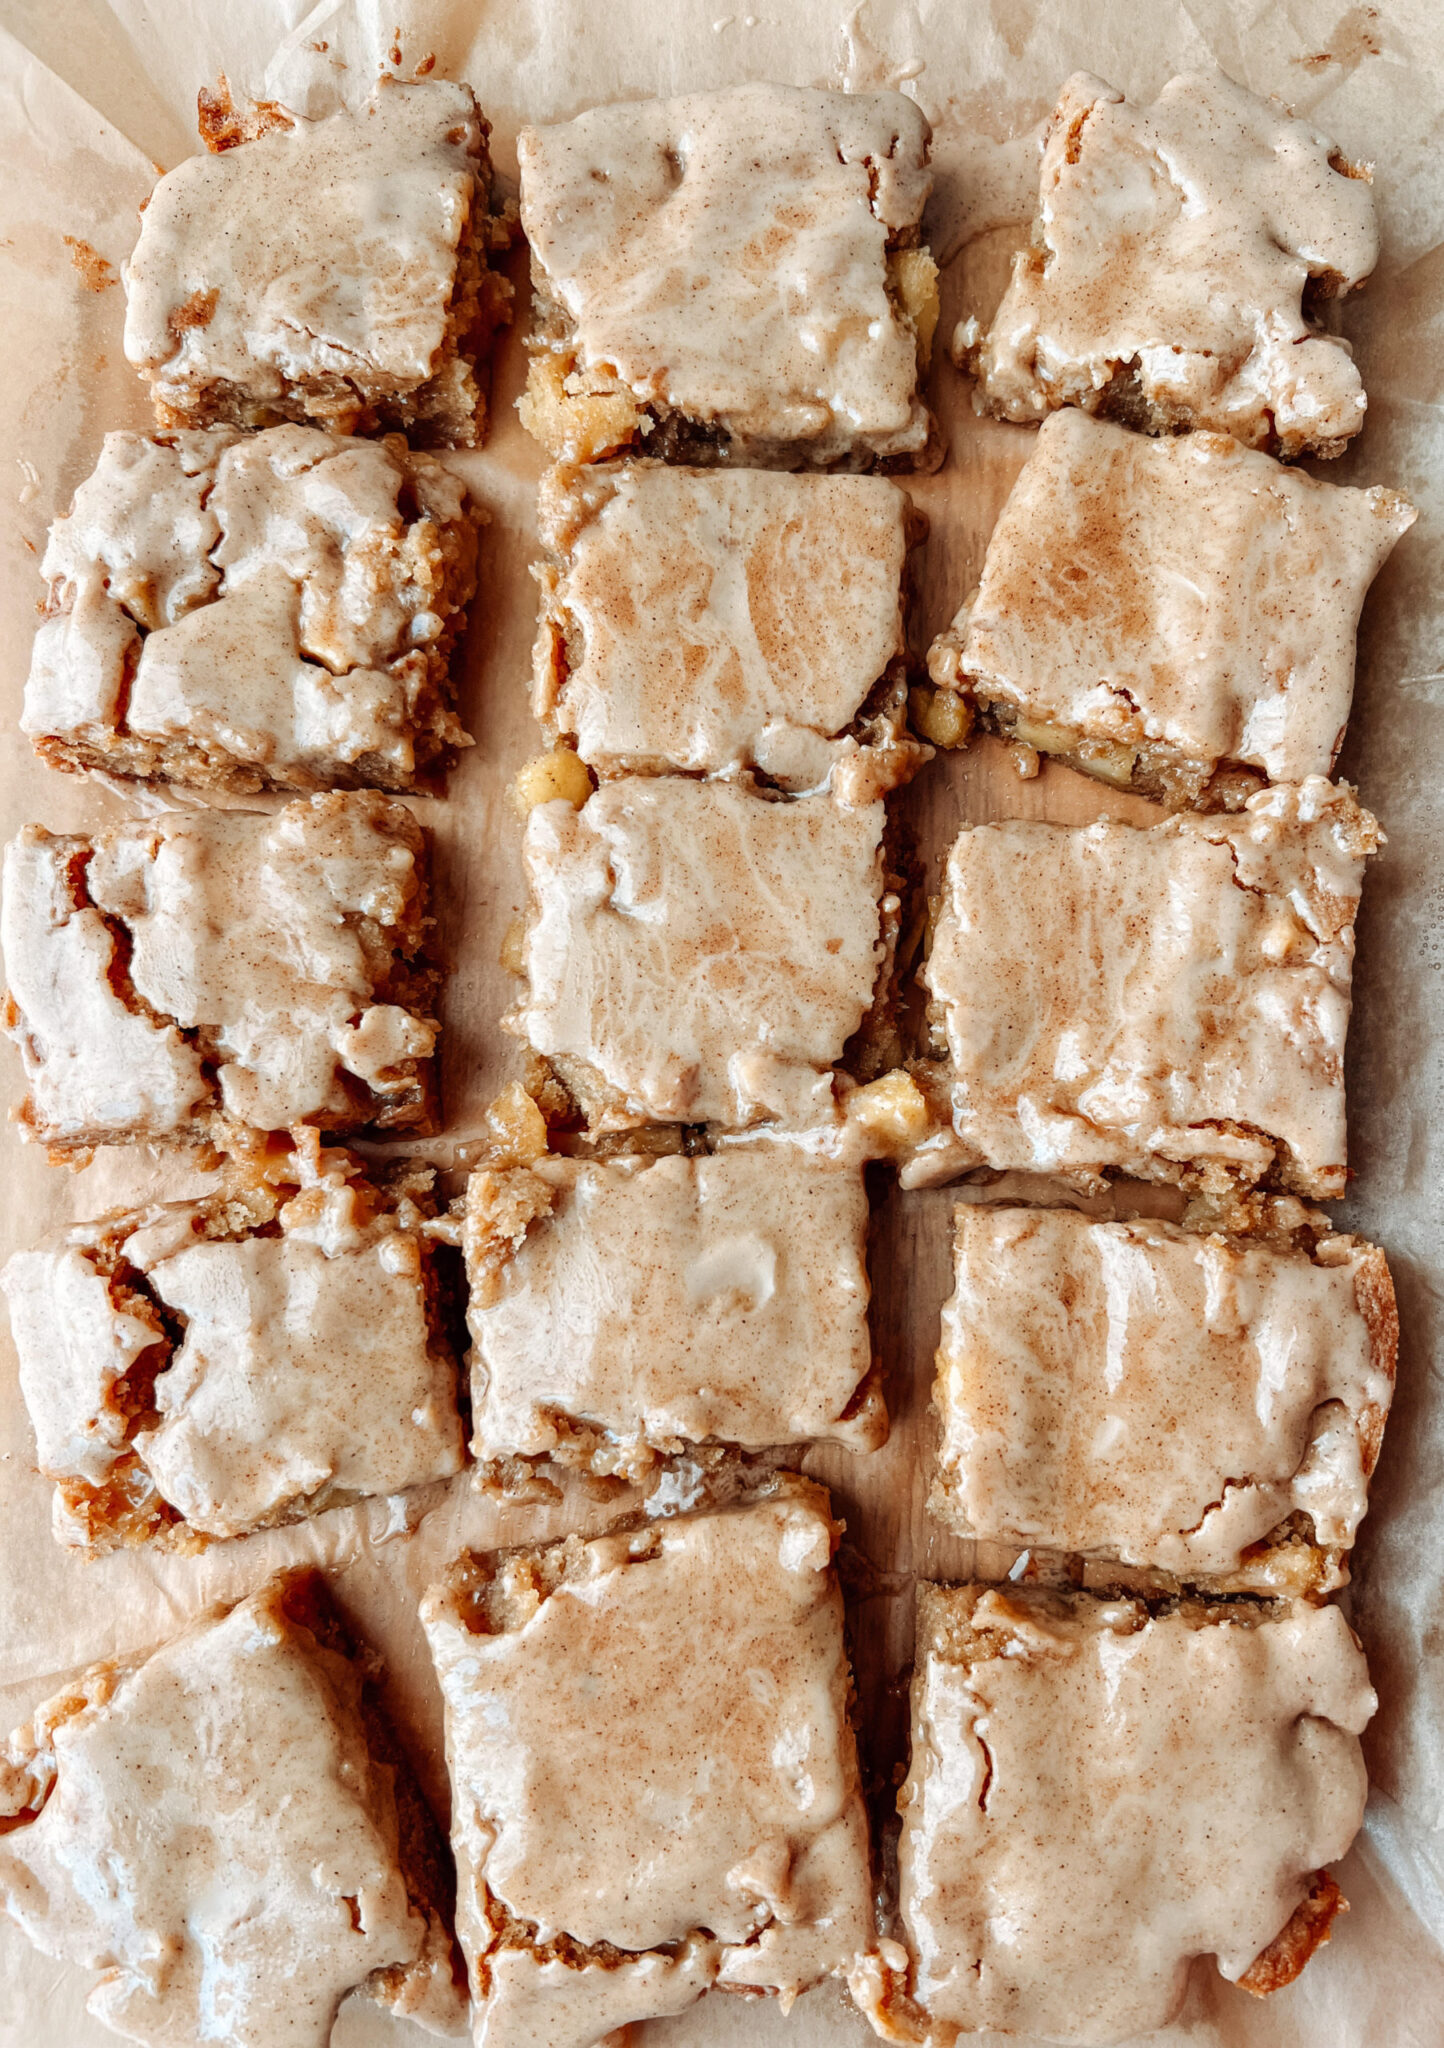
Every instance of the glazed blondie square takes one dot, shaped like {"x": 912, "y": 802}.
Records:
{"x": 201, "y": 976}
{"x": 1166, "y": 1001}
{"x": 626, "y": 1309}
{"x": 1175, "y": 616}
{"x": 1206, "y": 1408}
{"x": 732, "y": 276}
{"x": 1180, "y": 256}
{"x": 228, "y": 1830}
{"x": 655, "y": 1783}
{"x": 202, "y": 1369}
{"x": 248, "y": 611}
{"x": 706, "y": 621}
{"x": 1100, "y": 1793}
{"x": 697, "y": 952}
{"x": 334, "y": 270}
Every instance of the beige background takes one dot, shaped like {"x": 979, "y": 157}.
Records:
{"x": 92, "y": 98}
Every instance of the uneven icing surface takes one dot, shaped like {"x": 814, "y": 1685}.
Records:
{"x": 93, "y": 1063}
{"x": 1187, "y": 591}
{"x": 679, "y": 1299}
{"x": 1178, "y": 239}
{"x": 305, "y": 1364}
{"x": 706, "y": 952}
{"x": 217, "y": 1840}
{"x": 659, "y": 1746}
{"x": 1146, "y": 1394}
{"x": 318, "y": 253}
{"x": 1095, "y": 1798}
{"x": 724, "y": 255}
{"x": 245, "y": 927}
{"x": 1147, "y": 997}
{"x": 269, "y": 599}
{"x": 718, "y": 619}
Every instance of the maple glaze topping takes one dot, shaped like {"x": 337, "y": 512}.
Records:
{"x": 1097, "y": 1797}
{"x": 718, "y": 619}
{"x": 1143, "y": 997}
{"x": 1173, "y": 245}
{"x": 707, "y": 952}
{"x": 725, "y": 255}
{"x": 1188, "y": 591}
{"x": 1151, "y": 1395}
{"x": 672, "y": 1300}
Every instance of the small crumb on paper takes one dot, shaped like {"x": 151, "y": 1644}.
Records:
{"x": 96, "y": 273}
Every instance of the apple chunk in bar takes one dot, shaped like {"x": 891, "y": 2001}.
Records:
{"x": 201, "y": 1369}
{"x": 229, "y": 1832}
{"x": 1179, "y": 257}
{"x": 624, "y": 1309}
{"x": 1176, "y": 616}
{"x": 705, "y": 621}
{"x": 333, "y": 270}
{"x": 197, "y": 977}
{"x": 247, "y": 611}
{"x": 1100, "y": 1794}
{"x": 1207, "y": 1408}
{"x": 698, "y": 953}
{"x": 654, "y": 1781}
{"x": 732, "y": 276}
{"x": 1166, "y": 1001}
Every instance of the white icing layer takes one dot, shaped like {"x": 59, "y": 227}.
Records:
{"x": 215, "y": 1838}
{"x": 263, "y": 603}
{"x": 249, "y": 930}
{"x": 319, "y": 258}
{"x": 709, "y": 620}
{"x": 658, "y": 1746}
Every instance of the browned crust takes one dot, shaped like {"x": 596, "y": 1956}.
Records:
{"x": 1307, "y": 1929}
{"x": 1374, "y": 1297}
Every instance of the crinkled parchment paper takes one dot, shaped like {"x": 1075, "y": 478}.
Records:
{"x": 92, "y": 98}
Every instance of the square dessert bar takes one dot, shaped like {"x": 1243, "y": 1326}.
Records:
{"x": 331, "y": 270}
{"x": 178, "y": 979}
{"x": 703, "y": 621}
{"x": 1099, "y": 1795}
{"x": 1175, "y": 616}
{"x": 1177, "y": 259}
{"x": 732, "y": 276}
{"x": 698, "y": 953}
{"x": 229, "y": 1831}
{"x": 1209, "y": 1408}
{"x": 1168, "y": 1001}
{"x": 201, "y": 1369}
{"x": 654, "y": 1782}
{"x": 627, "y": 1308}
{"x": 243, "y": 611}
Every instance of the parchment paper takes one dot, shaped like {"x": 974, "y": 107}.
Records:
{"x": 93, "y": 98}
